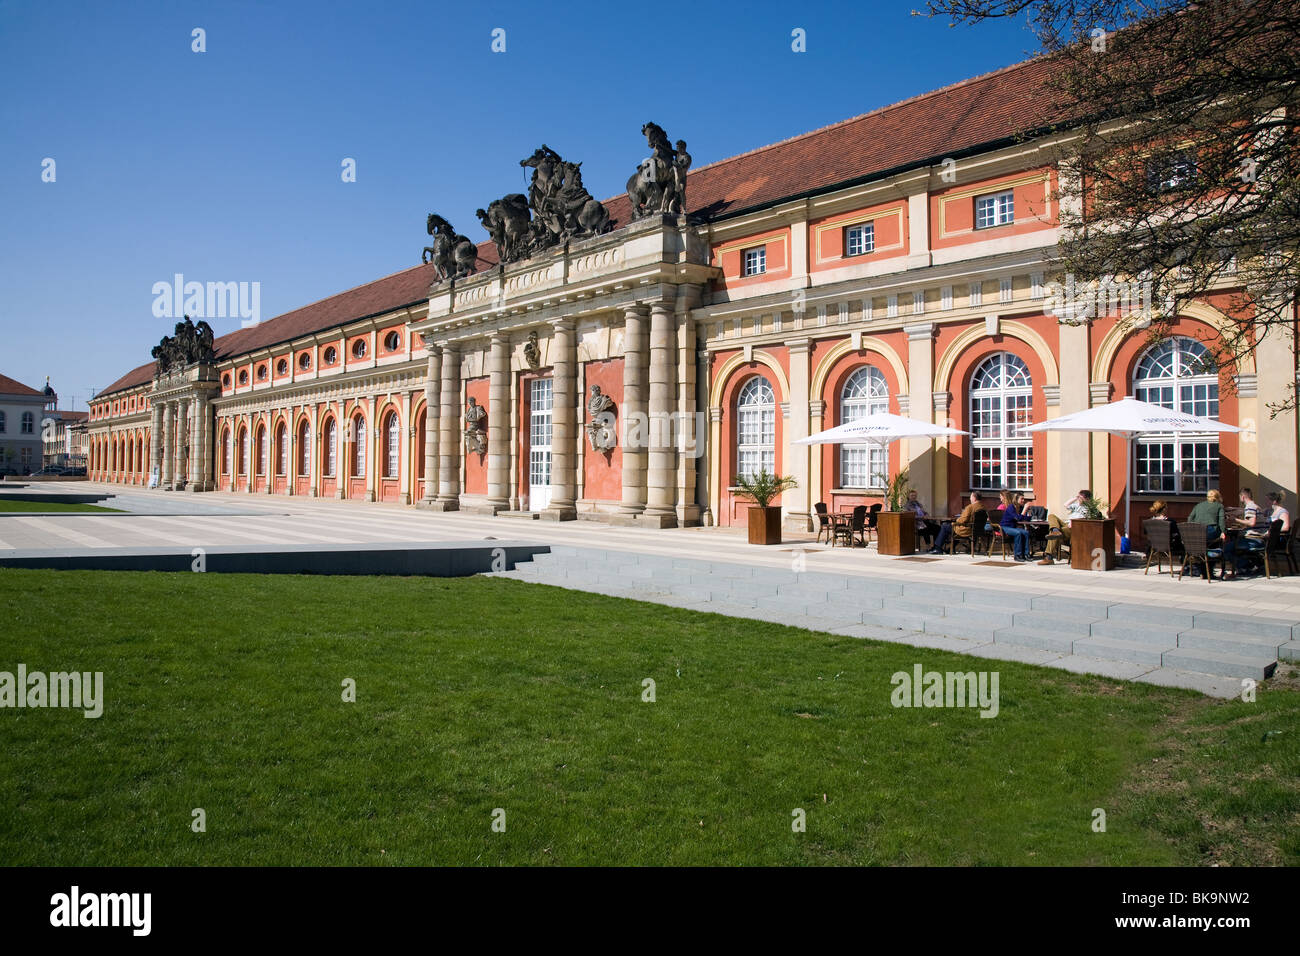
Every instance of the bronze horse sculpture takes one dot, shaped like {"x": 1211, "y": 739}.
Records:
{"x": 560, "y": 199}
{"x": 452, "y": 255}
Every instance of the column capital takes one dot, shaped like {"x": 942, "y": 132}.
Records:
{"x": 636, "y": 308}
{"x": 817, "y": 407}
{"x": 799, "y": 346}
{"x": 919, "y": 332}
{"x": 1052, "y": 395}
{"x": 715, "y": 413}
{"x": 1247, "y": 384}
{"x": 942, "y": 400}
{"x": 565, "y": 324}
{"x": 1099, "y": 392}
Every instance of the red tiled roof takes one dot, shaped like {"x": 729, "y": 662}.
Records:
{"x": 9, "y": 386}
{"x": 946, "y": 122}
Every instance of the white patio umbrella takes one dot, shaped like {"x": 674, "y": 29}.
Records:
{"x": 881, "y": 429}
{"x": 1129, "y": 418}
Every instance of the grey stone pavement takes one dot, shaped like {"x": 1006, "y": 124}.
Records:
{"x": 921, "y": 598}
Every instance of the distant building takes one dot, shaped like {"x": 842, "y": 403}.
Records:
{"x": 21, "y": 409}
{"x": 65, "y": 437}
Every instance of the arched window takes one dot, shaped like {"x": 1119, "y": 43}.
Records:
{"x": 358, "y": 447}
{"x": 331, "y": 448}
{"x": 227, "y": 442}
{"x": 1178, "y": 374}
{"x": 755, "y": 428}
{"x": 262, "y": 450}
{"x": 867, "y": 465}
{"x": 1002, "y": 453}
{"x": 281, "y": 449}
{"x": 28, "y": 426}
{"x": 243, "y": 451}
{"x": 392, "y": 445}
{"x": 304, "y": 449}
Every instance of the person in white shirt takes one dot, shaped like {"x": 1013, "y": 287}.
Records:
{"x": 1277, "y": 512}
{"x": 1058, "y": 530}
{"x": 1238, "y": 550}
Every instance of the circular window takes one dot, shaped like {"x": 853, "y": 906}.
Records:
{"x": 225, "y": 380}
{"x": 261, "y": 373}
{"x": 392, "y": 341}
{"x": 281, "y": 367}
{"x": 359, "y": 348}
{"x": 331, "y": 355}
{"x": 243, "y": 376}
{"x": 304, "y": 361}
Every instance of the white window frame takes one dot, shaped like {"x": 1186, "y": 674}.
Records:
{"x": 865, "y": 392}
{"x": 755, "y": 428}
{"x": 393, "y": 451}
{"x": 999, "y": 410}
{"x": 754, "y": 261}
{"x": 995, "y": 209}
{"x": 1179, "y": 374}
{"x": 863, "y": 236}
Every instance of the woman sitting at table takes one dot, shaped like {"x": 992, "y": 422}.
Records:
{"x": 1011, "y": 519}
{"x": 1211, "y": 514}
{"x": 1276, "y": 511}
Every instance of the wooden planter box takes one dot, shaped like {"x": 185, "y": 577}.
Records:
{"x": 764, "y": 525}
{"x": 896, "y": 532}
{"x": 1089, "y": 535}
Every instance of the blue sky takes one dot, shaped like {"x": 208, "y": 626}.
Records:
{"x": 225, "y": 165}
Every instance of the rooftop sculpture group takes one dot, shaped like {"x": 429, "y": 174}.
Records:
{"x": 558, "y": 208}
{"x": 187, "y": 345}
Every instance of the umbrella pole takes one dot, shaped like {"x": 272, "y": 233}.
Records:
{"x": 1128, "y": 490}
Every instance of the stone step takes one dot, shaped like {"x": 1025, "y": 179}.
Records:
{"x": 1147, "y": 614}
{"x": 1243, "y": 624}
{"x": 1136, "y": 632}
{"x": 1209, "y": 662}
{"x": 899, "y": 620}
{"x": 1030, "y": 637}
{"x": 1238, "y": 645}
{"x": 1290, "y": 651}
{"x": 1139, "y": 652}
{"x": 1070, "y": 607}
{"x": 1049, "y": 622}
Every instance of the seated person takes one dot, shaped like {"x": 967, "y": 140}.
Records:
{"x": 1211, "y": 514}
{"x": 1255, "y": 525}
{"x": 1276, "y": 511}
{"x": 1058, "y": 530}
{"x": 926, "y": 527}
{"x": 1010, "y": 522}
{"x": 963, "y": 526}
{"x": 1159, "y": 512}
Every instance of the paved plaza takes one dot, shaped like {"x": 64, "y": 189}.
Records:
{"x": 1122, "y": 623}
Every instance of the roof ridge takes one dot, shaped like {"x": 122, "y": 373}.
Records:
{"x": 871, "y": 113}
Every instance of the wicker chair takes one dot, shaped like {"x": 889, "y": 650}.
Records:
{"x": 1196, "y": 550}
{"x": 823, "y": 522}
{"x": 1160, "y": 544}
{"x": 1278, "y": 546}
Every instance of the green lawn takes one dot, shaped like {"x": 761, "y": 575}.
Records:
{"x": 49, "y": 506}
{"x": 224, "y": 692}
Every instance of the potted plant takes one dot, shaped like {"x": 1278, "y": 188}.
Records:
{"x": 896, "y": 527}
{"x": 1092, "y": 539}
{"x": 764, "y": 519}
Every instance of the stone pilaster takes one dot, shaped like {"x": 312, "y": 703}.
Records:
{"x": 920, "y": 375}
{"x": 168, "y": 417}
{"x": 797, "y": 501}
{"x": 633, "y": 413}
{"x": 432, "y": 381}
{"x": 155, "y": 440}
{"x": 564, "y": 361}
{"x": 660, "y": 487}
{"x": 498, "y": 458}
{"x": 449, "y": 433}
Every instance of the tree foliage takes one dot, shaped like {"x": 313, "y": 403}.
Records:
{"x": 1180, "y": 167}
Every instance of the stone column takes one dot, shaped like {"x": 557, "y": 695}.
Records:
{"x": 182, "y": 474}
{"x": 1070, "y": 451}
{"x": 660, "y": 497}
{"x": 797, "y": 500}
{"x": 449, "y": 436}
{"x": 168, "y": 416}
{"x": 198, "y": 432}
{"x": 373, "y": 446}
{"x": 633, "y": 413}
{"x": 498, "y": 457}
{"x": 564, "y": 361}
{"x": 919, "y": 458}
{"x": 431, "y": 381}
{"x": 155, "y": 439}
